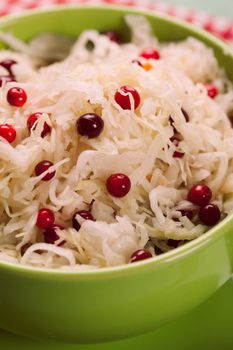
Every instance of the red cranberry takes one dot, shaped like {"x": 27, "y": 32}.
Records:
{"x": 85, "y": 214}
{"x": 7, "y": 132}
{"x": 32, "y": 120}
{"x": 6, "y": 79}
{"x": 200, "y": 195}
{"x": 42, "y": 167}
{"x": 211, "y": 90}
{"x": 210, "y": 214}
{"x": 118, "y": 185}
{"x": 114, "y": 36}
{"x": 45, "y": 218}
{"x": 123, "y": 99}
{"x": 16, "y": 97}
{"x": 90, "y": 125}
{"x": 7, "y": 64}
{"x": 174, "y": 139}
{"x": 50, "y": 234}
{"x": 137, "y": 62}
{"x": 178, "y": 154}
{"x": 150, "y": 54}
{"x": 185, "y": 114}
{"x": 139, "y": 255}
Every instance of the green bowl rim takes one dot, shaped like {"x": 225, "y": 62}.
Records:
{"x": 159, "y": 261}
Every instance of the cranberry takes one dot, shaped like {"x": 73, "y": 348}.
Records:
{"x": 188, "y": 213}
{"x": 174, "y": 139}
{"x": 137, "y": 62}
{"x": 85, "y": 214}
{"x": 114, "y": 36}
{"x": 32, "y": 120}
{"x": 7, "y": 64}
{"x": 50, "y": 234}
{"x": 45, "y": 218}
{"x": 123, "y": 99}
{"x": 139, "y": 255}
{"x": 200, "y": 195}
{"x": 212, "y": 91}
{"x": 7, "y": 132}
{"x": 150, "y": 54}
{"x": 185, "y": 114}
{"x": 6, "y": 79}
{"x": 178, "y": 154}
{"x": 118, "y": 185}
{"x": 42, "y": 167}
{"x": 90, "y": 125}
{"x": 16, "y": 96}
{"x": 210, "y": 214}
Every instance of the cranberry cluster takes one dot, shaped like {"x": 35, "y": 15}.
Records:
{"x": 91, "y": 125}
{"x": 201, "y": 195}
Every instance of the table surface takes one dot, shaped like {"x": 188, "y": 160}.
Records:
{"x": 216, "y": 7}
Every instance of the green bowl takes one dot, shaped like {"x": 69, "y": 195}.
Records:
{"x": 128, "y": 300}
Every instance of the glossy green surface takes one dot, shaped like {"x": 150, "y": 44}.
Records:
{"x": 207, "y": 327}
{"x": 129, "y": 300}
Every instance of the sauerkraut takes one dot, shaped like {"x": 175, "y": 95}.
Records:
{"x": 136, "y": 142}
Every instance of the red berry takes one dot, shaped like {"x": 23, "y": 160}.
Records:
{"x": 45, "y": 218}
{"x": 200, "y": 195}
{"x": 7, "y": 64}
{"x": 85, "y": 214}
{"x": 114, "y": 36}
{"x": 32, "y": 120}
{"x": 118, "y": 185}
{"x": 150, "y": 54}
{"x": 139, "y": 255}
{"x": 6, "y": 79}
{"x": 42, "y": 167}
{"x": 210, "y": 214}
{"x": 178, "y": 154}
{"x": 16, "y": 97}
{"x": 7, "y": 132}
{"x": 50, "y": 234}
{"x": 212, "y": 91}
{"x": 122, "y": 97}
{"x": 90, "y": 125}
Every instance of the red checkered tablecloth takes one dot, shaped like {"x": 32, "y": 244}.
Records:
{"x": 219, "y": 26}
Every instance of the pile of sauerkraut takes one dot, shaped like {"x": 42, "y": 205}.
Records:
{"x": 134, "y": 142}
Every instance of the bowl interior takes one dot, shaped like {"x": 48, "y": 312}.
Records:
{"x": 72, "y": 20}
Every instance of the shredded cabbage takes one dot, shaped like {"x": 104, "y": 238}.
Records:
{"x": 134, "y": 142}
